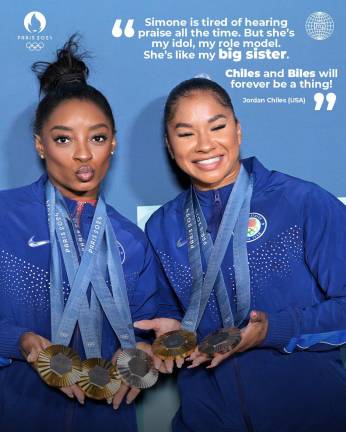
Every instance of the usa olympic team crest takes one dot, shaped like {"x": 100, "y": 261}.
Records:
{"x": 121, "y": 252}
{"x": 256, "y": 227}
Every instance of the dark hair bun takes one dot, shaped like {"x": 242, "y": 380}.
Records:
{"x": 69, "y": 68}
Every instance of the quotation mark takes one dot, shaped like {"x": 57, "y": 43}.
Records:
{"x": 319, "y": 99}
{"x": 129, "y": 31}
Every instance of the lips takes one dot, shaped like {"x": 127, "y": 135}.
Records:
{"x": 209, "y": 161}
{"x": 85, "y": 173}
{"x": 209, "y": 164}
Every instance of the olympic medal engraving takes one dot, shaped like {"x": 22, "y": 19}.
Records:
{"x": 99, "y": 379}
{"x": 136, "y": 368}
{"x": 220, "y": 341}
{"x": 59, "y": 366}
{"x": 176, "y": 343}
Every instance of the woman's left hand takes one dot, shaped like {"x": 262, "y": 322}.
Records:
{"x": 251, "y": 336}
{"x": 130, "y": 392}
{"x": 162, "y": 326}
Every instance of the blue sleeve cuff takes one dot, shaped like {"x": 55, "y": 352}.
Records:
{"x": 168, "y": 311}
{"x": 9, "y": 342}
{"x": 281, "y": 329}
{"x": 5, "y": 362}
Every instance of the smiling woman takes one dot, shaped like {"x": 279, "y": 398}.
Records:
{"x": 204, "y": 139}
{"x": 203, "y": 134}
{"x": 60, "y": 259}
{"x": 256, "y": 262}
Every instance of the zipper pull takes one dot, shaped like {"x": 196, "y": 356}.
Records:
{"x": 217, "y": 198}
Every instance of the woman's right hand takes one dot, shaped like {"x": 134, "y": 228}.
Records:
{"x": 31, "y": 345}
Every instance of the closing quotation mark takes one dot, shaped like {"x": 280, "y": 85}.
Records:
{"x": 128, "y": 30}
{"x": 319, "y": 99}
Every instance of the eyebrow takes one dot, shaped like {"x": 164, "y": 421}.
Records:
{"x": 211, "y": 120}
{"x": 184, "y": 125}
{"x": 66, "y": 128}
{"x": 217, "y": 117}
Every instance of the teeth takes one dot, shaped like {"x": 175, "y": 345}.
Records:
{"x": 209, "y": 161}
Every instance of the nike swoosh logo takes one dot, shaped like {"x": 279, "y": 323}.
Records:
{"x": 181, "y": 243}
{"x": 33, "y": 243}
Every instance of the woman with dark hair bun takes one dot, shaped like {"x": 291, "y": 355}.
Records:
{"x": 73, "y": 271}
{"x": 256, "y": 263}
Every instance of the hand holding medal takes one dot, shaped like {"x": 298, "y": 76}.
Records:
{"x": 135, "y": 370}
{"x": 171, "y": 345}
{"x": 61, "y": 367}
{"x": 249, "y": 337}
{"x": 38, "y": 351}
{"x": 86, "y": 265}
{"x": 175, "y": 345}
{"x": 221, "y": 341}
{"x": 131, "y": 369}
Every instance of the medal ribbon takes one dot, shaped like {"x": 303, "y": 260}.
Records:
{"x": 115, "y": 304}
{"x": 88, "y": 271}
{"x": 234, "y": 222}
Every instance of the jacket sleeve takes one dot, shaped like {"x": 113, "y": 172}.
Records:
{"x": 169, "y": 306}
{"x": 321, "y": 326}
{"x": 151, "y": 297}
{"x": 10, "y": 334}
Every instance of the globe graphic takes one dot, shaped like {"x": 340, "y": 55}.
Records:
{"x": 319, "y": 25}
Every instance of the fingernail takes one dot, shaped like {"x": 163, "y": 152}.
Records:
{"x": 81, "y": 401}
{"x": 109, "y": 401}
{"x": 115, "y": 407}
{"x": 128, "y": 401}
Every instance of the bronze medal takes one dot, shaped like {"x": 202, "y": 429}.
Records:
{"x": 220, "y": 341}
{"x": 136, "y": 368}
{"x": 99, "y": 379}
{"x": 176, "y": 343}
{"x": 59, "y": 366}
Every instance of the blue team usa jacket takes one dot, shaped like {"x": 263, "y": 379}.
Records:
{"x": 26, "y": 402}
{"x": 295, "y": 381}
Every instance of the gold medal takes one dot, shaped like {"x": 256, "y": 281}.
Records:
{"x": 59, "y": 366}
{"x": 99, "y": 379}
{"x": 220, "y": 341}
{"x": 136, "y": 368}
{"x": 176, "y": 343}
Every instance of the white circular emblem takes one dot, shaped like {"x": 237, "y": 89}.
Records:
{"x": 319, "y": 25}
{"x": 121, "y": 252}
{"x": 35, "y": 22}
{"x": 256, "y": 226}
